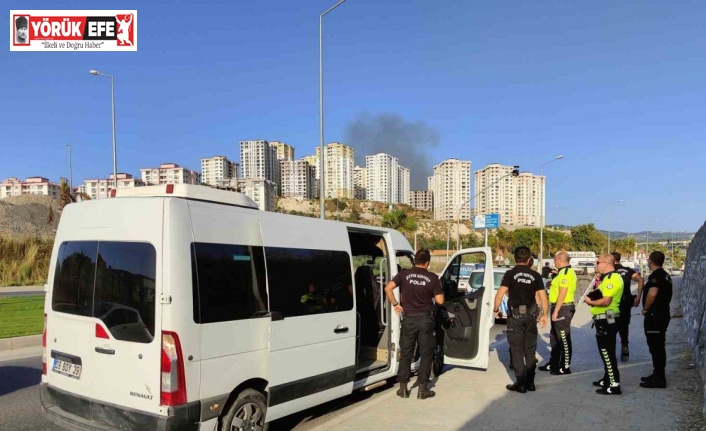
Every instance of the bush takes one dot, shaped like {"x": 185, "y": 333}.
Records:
{"x": 25, "y": 261}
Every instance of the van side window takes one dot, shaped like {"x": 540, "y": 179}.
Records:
{"x": 228, "y": 282}
{"x": 304, "y": 281}
{"x": 74, "y": 277}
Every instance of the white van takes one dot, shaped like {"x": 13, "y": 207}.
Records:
{"x": 184, "y": 307}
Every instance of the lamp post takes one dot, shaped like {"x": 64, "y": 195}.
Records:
{"x": 71, "y": 170}
{"x": 541, "y": 217}
{"x": 515, "y": 172}
{"x": 618, "y": 202}
{"x": 112, "y": 104}
{"x": 322, "y": 169}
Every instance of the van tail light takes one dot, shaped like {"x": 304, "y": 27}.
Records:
{"x": 44, "y": 346}
{"x": 173, "y": 385}
{"x": 100, "y": 332}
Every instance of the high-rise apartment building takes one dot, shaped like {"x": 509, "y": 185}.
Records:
{"x": 298, "y": 179}
{"x": 30, "y": 186}
{"x": 313, "y": 160}
{"x": 387, "y": 181}
{"x": 284, "y": 151}
{"x": 338, "y": 164}
{"x": 360, "y": 183}
{"x": 169, "y": 173}
{"x": 100, "y": 188}
{"x": 403, "y": 185}
{"x": 519, "y": 200}
{"x": 258, "y": 160}
{"x": 218, "y": 168}
{"x": 383, "y": 178}
{"x": 422, "y": 200}
{"x": 451, "y": 188}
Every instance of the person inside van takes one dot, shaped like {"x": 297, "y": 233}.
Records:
{"x": 313, "y": 300}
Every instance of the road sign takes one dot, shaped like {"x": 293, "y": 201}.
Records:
{"x": 486, "y": 221}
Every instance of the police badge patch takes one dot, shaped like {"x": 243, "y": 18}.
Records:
{"x": 610, "y": 286}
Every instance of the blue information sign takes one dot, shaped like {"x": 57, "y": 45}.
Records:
{"x": 486, "y": 221}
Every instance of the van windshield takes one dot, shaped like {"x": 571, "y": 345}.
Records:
{"x": 110, "y": 280}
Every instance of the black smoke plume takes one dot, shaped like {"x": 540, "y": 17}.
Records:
{"x": 410, "y": 142}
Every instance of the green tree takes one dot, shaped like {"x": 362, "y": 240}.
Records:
{"x": 624, "y": 246}
{"x": 354, "y": 216}
{"x": 504, "y": 240}
{"x": 399, "y": 220}
{"x": 529, "y": 237}
{"x": 585, "y": 237}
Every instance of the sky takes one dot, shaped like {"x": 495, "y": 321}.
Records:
{"x": 617, "y": 88}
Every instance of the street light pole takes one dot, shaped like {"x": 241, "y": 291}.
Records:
{"x": 322, "y": 170}
{"x": 541, "y": 210}
{"x": 71, "y": 170}
{"x": 515, "y": 172}
{"x": 112, "y": 106}
{"x": 618, "y": 202}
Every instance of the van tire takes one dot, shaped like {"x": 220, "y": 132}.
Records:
{"x": 250, "y": 406}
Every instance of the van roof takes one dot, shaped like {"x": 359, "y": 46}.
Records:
{"x": 187, "y": 191}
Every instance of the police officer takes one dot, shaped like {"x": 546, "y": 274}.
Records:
{"x": 418, "y": 286}
{"x": 655, "y": 307}
{"x": 627, "y": 302}
{"x": 604, "y": 300}
{"x": 561, "y": 297}
{"x": 522, "y": 283}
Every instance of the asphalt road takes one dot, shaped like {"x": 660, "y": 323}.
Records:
{"x": 20, "y": 409}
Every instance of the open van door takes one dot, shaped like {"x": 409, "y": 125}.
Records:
{"x": 466, "y": 317}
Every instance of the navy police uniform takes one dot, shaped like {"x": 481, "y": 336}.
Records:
{"x": 656, "y": 322}
{"x": 522, "y": 283}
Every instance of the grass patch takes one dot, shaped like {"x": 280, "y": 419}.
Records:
{"x": 21, "y": 315}
{"x": 25, "y": 261}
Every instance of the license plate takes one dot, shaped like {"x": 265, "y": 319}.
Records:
{"x": 66, "y": 368}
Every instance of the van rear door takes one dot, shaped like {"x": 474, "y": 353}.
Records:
{"x": 466, "y": 318}
{"x": 103, "y": 335}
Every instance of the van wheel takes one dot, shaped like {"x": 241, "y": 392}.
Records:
{"x": 247, "y": 413}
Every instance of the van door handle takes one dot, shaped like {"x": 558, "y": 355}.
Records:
{"x": 340, "y": 329}
{"x": 105, "y": 351}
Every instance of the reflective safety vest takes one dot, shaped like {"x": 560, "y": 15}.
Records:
{"x": 611, "y": 285}
{"x": 566, "y": 278}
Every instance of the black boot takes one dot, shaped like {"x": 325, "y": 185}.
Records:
{"x": 655, "y": 381}
{"x": 547, "y": 367}
{"x": 403, "y": 392}
{"x": 519, "y": 386}
{"x": 647, "y": 378}
{"x": 423, "y": 394}
{"x": 625, "y": 353}
{"x": 529, "y": 382}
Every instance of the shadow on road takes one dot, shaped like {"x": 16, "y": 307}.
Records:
{"x": 15, "y": 378}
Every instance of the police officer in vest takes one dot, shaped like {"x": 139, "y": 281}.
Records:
{"x": 561, "y": 297}
{"x": 521, "y": 284}
{"x": 604, "y": 300}
{"x": 655, "y": 307}
{"x": 627, "y": 302}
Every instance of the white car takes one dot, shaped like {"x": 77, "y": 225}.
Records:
{"x": 476, "y": 281}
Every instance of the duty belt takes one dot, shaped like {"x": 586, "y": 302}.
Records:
{"x": 570, "y": 304}
{"x": 603, "y": 316}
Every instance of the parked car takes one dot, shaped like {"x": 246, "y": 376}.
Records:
{"x": 676, "y": 272}
{"x": 476, "y": 281}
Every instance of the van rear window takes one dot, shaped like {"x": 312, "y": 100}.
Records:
{"x": 113, "y": 281}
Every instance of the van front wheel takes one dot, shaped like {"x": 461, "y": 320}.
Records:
{"x": 247, "y": 413}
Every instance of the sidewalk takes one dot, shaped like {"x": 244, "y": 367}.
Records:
{"x": 20, "y": 289}
{"x": 477, "y": 400}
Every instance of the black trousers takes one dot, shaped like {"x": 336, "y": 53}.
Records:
{"x": 416, "y": 329}
{"x": 560, "y": 337}
{"x": 522, "y": 338}
{"x": 606, "y": 335}
{"x": 655, "y": 332}
{"x": 624, "y": 327}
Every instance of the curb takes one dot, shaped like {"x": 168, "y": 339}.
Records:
{"x": 20, "y": 342}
